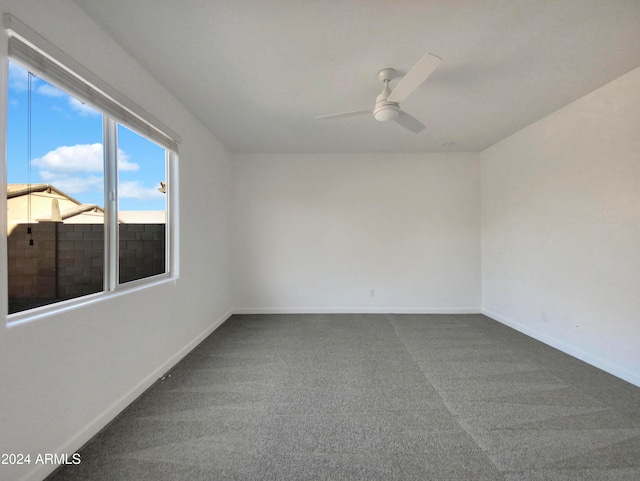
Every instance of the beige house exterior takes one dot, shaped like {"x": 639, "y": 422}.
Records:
{"x": 33, "y": 203}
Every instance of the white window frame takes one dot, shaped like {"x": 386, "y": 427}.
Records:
{"x": 36, "y": 54}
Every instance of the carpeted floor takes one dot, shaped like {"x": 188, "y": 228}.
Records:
{"x": 372, "y": 397}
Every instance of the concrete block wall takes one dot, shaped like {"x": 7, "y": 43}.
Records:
{"x": 67, "y": 260}
{"x": 142, "y": 251}
{"x": 32, "y": 268}
{"x": 80, "y": 259}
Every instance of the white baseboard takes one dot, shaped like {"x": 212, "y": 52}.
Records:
{"x": 357, "y": 310}
{"x": 603, "y": 364}
{"x": 94, "y": 427}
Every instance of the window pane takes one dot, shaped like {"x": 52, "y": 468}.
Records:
{"x": 142, "y": 206}
{"x": 55, "y": 184}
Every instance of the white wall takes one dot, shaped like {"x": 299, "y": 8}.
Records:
{"x": 316, "y": 233}
{"x": 561, "y": 228}
{"x": 64, "y": 376}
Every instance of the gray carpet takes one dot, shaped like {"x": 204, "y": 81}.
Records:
{"x": 372, "y": 397}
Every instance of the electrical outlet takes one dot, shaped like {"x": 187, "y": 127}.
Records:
{"x": 544, "y": 317}
{"x": 372, "y": 293}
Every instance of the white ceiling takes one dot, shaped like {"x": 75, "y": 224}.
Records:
{"x": 257, "y": 72}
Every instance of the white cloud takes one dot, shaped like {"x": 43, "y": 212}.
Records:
{"x": 134, "y": 190}
{"x": 75, "y": 169}
{"x": 73, "y": 185}
{"x": 50, "y": 91}
{"x": 82, "y": 109}
{"x": 123, "y": 162}
{"x": 72, "y": 158}
{"x": 80, "y": 158}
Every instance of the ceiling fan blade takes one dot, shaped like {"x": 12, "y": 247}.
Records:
{"x": 414, "y": 78}
{"x": 344, "y": 114}
{"x": 409, "y": 122}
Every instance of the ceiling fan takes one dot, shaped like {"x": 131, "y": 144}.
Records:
{"x": 387, "y": 105}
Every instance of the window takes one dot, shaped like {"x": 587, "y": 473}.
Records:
{"x": 142, "y": 209}
{"x": 89, "y": 190}
{"x": 55, "y": 179}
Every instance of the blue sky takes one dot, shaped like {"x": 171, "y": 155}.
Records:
{"x": 66, "y": 148}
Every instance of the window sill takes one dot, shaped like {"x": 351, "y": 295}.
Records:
{"x": 19, "y": 318}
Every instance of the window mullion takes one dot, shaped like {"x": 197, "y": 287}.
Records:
{"x": 110, "y": 141}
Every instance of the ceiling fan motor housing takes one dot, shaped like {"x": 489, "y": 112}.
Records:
{"x": 384, "y": 110}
